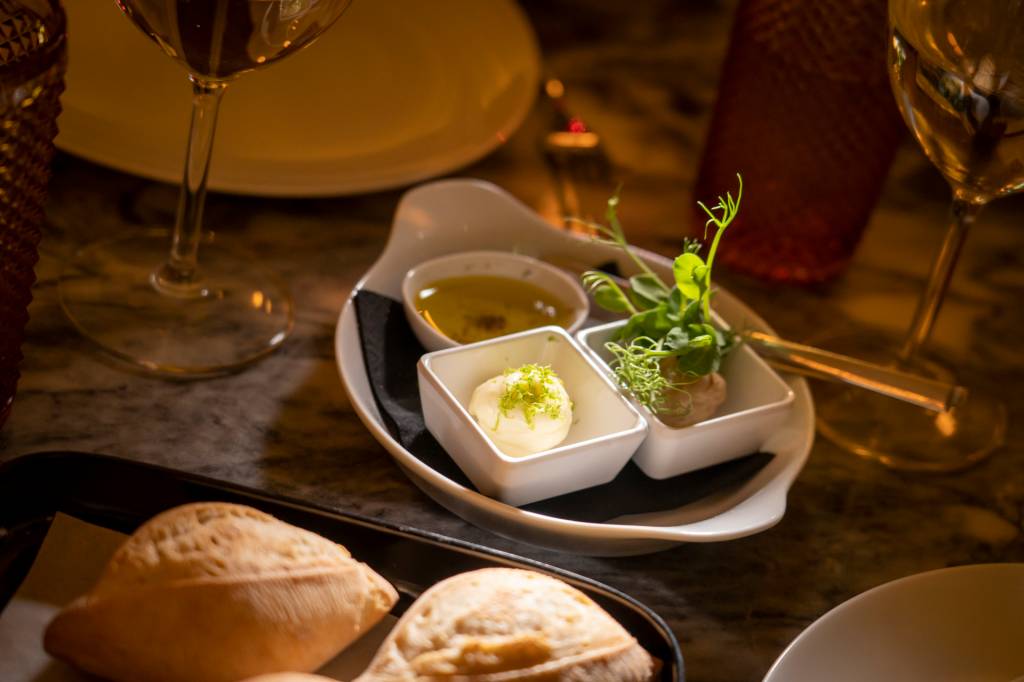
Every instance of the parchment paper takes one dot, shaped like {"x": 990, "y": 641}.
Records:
{"x": 70, "y": 561}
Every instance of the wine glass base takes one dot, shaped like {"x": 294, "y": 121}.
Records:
{"x": 899, "y": 435}
{"x": 237, "y": 314}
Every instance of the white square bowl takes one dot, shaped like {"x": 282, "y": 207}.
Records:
{"x": 757, "y": 402}
{"x": 606, "y": 429}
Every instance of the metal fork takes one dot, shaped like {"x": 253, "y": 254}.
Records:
{"x": 816, "y": 363}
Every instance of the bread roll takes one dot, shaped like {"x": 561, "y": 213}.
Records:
{"x": 508, "y": 625}
{"x": 216, "y": 592}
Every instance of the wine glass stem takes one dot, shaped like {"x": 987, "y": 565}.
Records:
{"x": 179, "y": 275}
{"x": 962, "y": 215}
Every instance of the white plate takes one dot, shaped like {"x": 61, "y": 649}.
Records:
{"x": 460, "y": 215}
{"x": 961, "y": 624}
{"x": 394, "y": 93}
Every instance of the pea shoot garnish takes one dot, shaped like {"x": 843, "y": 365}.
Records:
{"x": 669, "y": 341}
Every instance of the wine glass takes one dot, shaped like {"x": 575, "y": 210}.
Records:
{"x": 957, "y": 71}
{"x": 165, "y": 311}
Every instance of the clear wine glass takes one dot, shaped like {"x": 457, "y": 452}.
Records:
{"x": 163, "y": 311}
{"x": 957, "y": 71}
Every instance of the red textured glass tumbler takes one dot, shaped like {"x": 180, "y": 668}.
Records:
{"x": 805, "y": 113}
{"x": 32, "y": 63}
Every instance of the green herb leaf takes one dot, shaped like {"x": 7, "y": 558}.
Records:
{"x": 684, "y": 270}
{"x": 700, "y": 357}
{"x": 612, "y": 300}
{"x": 675, "y": 300}
{"x": 658, "y": 322}
{"x": 677, "y": 339}
{"x": 607, "y": 293}
{"x": 645, "y": 323}
{"x": 693, "y": 312}
{"x": 648, "y": 290}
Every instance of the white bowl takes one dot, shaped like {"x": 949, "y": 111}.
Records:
{"x": 515, "y": 266}
{"x": 606, "y": 430}
{"x": 757, "y": 403}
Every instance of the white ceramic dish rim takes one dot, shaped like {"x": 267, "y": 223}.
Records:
{"x": 580, "y": 304}
{"x": 707, "y": 423}
{"x": 842, "y": 609}
{"x": 453, "y": 404}
{"x": 769, "y": 494}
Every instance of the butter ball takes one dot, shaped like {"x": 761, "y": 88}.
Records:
{"x": 523, "y": 411}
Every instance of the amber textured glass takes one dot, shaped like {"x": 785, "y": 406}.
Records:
{"x": 32, "y": 62}
{"x": 805, "y": 113}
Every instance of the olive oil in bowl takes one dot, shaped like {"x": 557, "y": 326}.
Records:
{"x": 478, "y": 307}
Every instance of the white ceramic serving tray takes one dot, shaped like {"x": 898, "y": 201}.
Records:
{"x": 459, "y": 215}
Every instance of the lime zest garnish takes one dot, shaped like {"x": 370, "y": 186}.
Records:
{"x": 534, "y": 391}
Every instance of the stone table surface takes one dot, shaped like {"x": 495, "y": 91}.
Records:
{"x": 645, "y": 76}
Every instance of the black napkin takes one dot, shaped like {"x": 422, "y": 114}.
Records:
{"x": 390, "y": 350}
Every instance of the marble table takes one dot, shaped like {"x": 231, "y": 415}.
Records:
{"x": 646, "y": 80}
